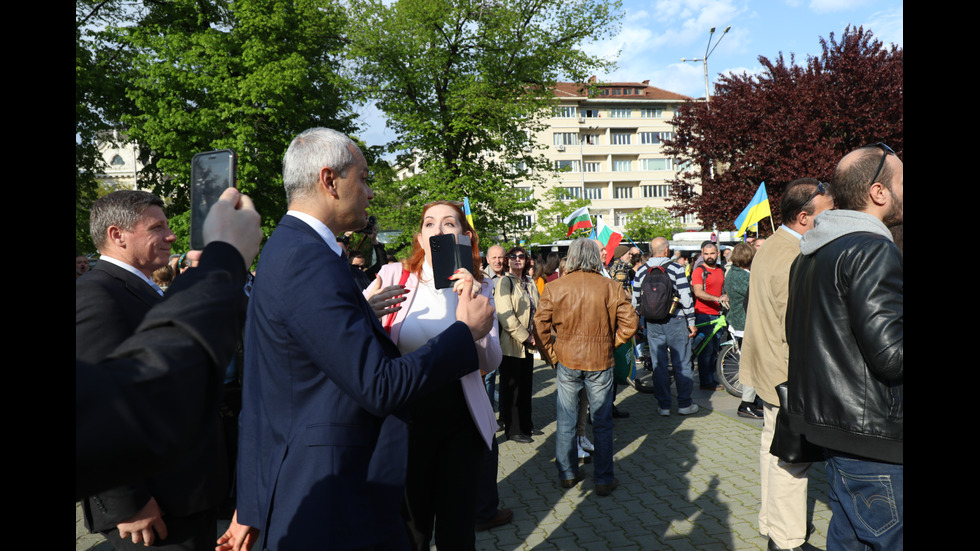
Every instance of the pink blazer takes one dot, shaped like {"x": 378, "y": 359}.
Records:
{"x": 488, "y": 350}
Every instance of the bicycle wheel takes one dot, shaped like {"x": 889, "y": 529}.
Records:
{"x": 728, "y": 358}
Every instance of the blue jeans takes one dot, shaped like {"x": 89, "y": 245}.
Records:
{"x": 490, "y": 381}
{"x": 672, "y": 334}
{"x": 708, "y": 357}
{"x": 867, "y": 504}
{"x": 598, "y": 387}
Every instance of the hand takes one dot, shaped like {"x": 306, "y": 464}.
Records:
{"x": 237, "y": 537}
{"x": 463, "y": 280}
{"x": 144, "y": 526}
{"x": 723, "y": 299}
{"x": 692, "y": 331}
{"x": 385, "y": 301}
{"x": 475, "y": 311}
{"x": 234, "y": 220}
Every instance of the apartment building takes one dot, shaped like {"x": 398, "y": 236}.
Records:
{"x": 608, "y": 146}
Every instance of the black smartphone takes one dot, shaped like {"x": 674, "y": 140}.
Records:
{"x": 212, "y": 172}
{"x": 450, "y": 252}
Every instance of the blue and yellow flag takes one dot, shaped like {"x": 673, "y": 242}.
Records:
{"x": 757, "y": 209}
{"x": 466, "y": 211}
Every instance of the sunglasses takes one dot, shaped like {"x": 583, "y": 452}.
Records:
{"x": 881, "y": 164}
{"x": 517, "y": 256}
{"x": 819, "y": 191}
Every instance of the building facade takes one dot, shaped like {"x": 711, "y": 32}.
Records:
{"x": 607, "y": 144}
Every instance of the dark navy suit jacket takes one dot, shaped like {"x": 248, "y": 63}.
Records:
{"x": 323, "y": 433}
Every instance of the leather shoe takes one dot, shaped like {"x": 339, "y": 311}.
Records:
{"x": 748, "y": 409}
{"x": 500, "y": 518}
{"x": 805, "y": 547}
{"x": 520, "y": 438}
{"x": 617, "y": 414}
{"x": 571, "y": 482}
{"x": 606, "y": 489}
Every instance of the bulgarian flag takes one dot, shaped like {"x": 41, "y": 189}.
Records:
{"x": 609, "y": 238}
{"x": 578, "y": 220}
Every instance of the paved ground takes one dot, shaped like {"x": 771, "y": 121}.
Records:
{"x": 685, "y": 483}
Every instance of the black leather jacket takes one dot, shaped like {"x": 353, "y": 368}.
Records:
{"x": 844, "y": 326}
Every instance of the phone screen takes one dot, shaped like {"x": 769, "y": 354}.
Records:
{"x": 211, "y": 174}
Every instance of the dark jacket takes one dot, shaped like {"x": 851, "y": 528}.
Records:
{"x": 844, "y": 327}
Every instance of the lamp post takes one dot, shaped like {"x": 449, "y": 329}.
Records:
{"x": 707, "y": 52}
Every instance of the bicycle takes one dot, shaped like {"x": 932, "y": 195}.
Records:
{"x": 729, "y": 354}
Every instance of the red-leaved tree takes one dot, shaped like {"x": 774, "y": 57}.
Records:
{"x": 789, "y": 122}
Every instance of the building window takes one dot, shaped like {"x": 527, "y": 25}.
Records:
{"x": 592, "y": 166}
{"x": 526, "y": 221}
{"x": 622, "y": 218}
{"x": 621, "y": 138}
{"x": 591, "y": 113}
{"x": 651, "y": 192}
{"x": 524, "y": 194}
{"x": 593, "y": 193}
{"x": 654, "y": 138}
{"x": 623, "y": 192}
{"x": 567, "y": 166}
{"x": 569, "y": 193}
{"x": 620, "y": 113}
{"x": 622, "y": 166}
{"x": 565, "y": 112}
{"x": 118, "y": 161}
{"x": 590, "y": 139}
{"x": 656, "y": 164}
{"x": 566, "y": 138}
{"x": 652, "y": 113}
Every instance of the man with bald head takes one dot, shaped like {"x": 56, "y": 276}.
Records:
{"x": 845, "y": 331}
{"x": 673, "y": 333}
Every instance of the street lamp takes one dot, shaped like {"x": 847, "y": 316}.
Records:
{"x": 707, "y": 51}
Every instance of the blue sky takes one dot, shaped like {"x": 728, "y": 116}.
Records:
{"x": 656, "y": 34}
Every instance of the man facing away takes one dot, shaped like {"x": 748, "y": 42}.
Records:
{"x": 708, "y": 282}
{"x": 673, "y": 333}
{"x": 323, "y": 441}
{"x": 764, "y": 360}
{"x": 845, "y": 330}
{"x": 590, "y": 315}
{"x": 176, "y": 508}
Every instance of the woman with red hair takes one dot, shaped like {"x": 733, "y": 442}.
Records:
{"x": 450, "y": 425}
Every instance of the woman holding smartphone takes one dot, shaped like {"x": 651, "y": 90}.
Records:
{"x": 450, "y": 426}
{"x": 516, "y": 299}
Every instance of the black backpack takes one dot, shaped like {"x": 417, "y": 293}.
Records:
{"x": 656, "y": 294}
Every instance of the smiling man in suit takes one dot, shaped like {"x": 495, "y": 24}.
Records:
{"x": 323, "y": 440}
{"x": 175, "y": 509}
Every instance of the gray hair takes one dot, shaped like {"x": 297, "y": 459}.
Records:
{"x": 122, "y": 209}
{"x": 310, "y": 151}
{"x": 583, "y": 255}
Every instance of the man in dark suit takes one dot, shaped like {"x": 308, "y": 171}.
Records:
{"x": 130, "y": 230}
{"x": 323, "y": 440}
{"x": 140, "y": 409}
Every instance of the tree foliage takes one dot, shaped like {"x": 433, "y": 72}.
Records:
{"x": 247, "y": 75}
{"x": 463, "y": 84}
{"x": 791, "y": 121}
{"x": 649, "y": 222}
{"x": 551, "y": 217}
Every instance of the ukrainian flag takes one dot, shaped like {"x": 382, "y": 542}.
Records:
{"x": 757, "y": 209}
{"x": 466, "y": 211}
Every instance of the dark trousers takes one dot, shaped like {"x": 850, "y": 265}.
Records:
{"x": 445, "y": 457}
{"x": 515, "y": 394}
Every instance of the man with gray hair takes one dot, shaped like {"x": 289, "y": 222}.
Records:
{"x": 589, "y": 316}
{"x": 177, "y": 507}
{"x": 323, "y": 442}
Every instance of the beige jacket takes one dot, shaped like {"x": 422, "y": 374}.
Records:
{"x": 514, "y": 313}
{"x": 765, "y": 355}
{"x": 589, "y": 315}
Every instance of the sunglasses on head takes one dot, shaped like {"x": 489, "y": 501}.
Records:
{"x": 819, "y": 191}
{"x": 881, "y": 164}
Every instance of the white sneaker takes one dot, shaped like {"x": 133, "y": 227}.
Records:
{"x": 665, "y": 412}
{"x": 693, "y": 408}
{"x": 584, "y": 444}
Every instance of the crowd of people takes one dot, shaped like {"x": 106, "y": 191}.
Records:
{"x": 365, "y": 396}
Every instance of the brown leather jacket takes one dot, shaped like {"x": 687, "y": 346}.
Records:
{"x": 589, "y": 315}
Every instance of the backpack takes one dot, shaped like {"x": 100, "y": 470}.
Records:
{"x": 656, "y": 294}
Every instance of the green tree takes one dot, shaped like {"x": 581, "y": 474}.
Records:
{"x": 649, "y": 222}
{"x": 246, "y": 75}
{"x": 790, "y": 121}
{"x": 464, "y": 84}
